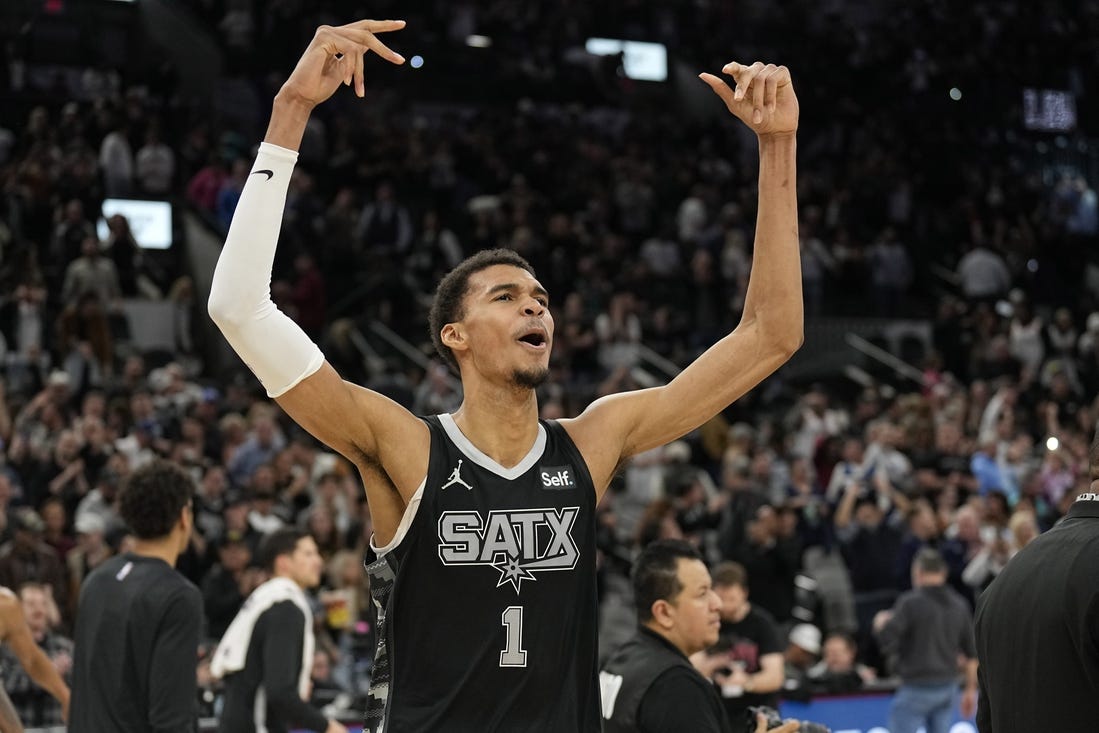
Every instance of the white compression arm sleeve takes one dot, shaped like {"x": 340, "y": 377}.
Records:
{"x": 274, "y": 347}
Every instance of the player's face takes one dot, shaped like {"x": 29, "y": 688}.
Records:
{"x": 306, "y": 563}
{"x": 698, "y": 607}
{"x": 507, "y": 326}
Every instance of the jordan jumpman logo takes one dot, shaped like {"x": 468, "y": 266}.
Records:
{"x": 456, "y": 478}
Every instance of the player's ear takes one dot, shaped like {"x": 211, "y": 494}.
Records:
{"x": 454, "y": 337}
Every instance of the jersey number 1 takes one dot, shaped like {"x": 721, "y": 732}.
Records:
{"x": 513, "y": 654}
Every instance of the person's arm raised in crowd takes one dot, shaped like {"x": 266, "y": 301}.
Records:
{"x": 846, "y": 507}
{"x": 290, "y": 366}
{"x": 771, "y": 327}
{"x": 35, "y": 662}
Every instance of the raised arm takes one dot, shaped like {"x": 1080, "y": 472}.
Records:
{"x": 770, "y": 330}
{"x": 348, "y": 418}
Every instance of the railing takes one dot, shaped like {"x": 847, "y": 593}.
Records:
{"x": 899, "y": 367}
{"x": 409, "y": 351}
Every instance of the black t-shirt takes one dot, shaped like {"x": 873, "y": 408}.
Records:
{"x": 746, "y": 642}
{"x": 136, "y": 648}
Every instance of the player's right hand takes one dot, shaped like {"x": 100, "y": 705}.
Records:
{"x": 334, "y": 727}
{"x": 334, "y": 57}
{"x": 764, "y": 97}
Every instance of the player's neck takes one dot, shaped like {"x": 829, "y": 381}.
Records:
{"x": 166, "y": 549}
{"x": 502, "y": 423}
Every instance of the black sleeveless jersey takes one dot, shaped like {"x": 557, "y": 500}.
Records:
{"x": 486, "y": 596}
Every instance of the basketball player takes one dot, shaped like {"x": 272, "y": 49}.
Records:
{"x": 17, "y": 635}
{"x": 137, "y": 633}
{"x": 486, "y": 587}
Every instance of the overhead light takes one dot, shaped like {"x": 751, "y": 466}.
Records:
{"x": 478, "y": 41}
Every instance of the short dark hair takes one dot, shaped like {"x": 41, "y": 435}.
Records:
{"x": 656, "y": 574}
{"x": 929, "y": 560}
{"x": 278, "y": 543}
{"x": 729, "y": 574}
{"x": 449, "y": 303}
{"x": 152, "y": 498}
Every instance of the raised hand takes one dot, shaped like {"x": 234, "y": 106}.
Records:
{"x": 764, "y": 97}
{"x": 334, "y": 57}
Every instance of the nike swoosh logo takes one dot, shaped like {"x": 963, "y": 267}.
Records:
{"x": 269, "y": 174}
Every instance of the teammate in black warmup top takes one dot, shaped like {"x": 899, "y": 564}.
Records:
{"x": 137, "y": 633}
{"x": 484, "y": 529}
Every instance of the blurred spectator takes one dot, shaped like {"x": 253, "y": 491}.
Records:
{"x": 155, "y": 165}
{"x": 91, "y": 551}
{"x": 802, "y": 652}
{"x": 116, "y": 160}
{"x": 204, "y": 186}
{"x": 36, "y": 707}
{"x": 228, "y": 583}
{"x": 326, "y": 690}
{"x": 26, "y": 558}
{"x": 928, "y": 634}
{"x": 752, "y": 671}
{"x": 384, "y": 225}
{"x": 55, "y": 533}
{"x": 229, "y": 192}
{"x": 72, "y": 231}
{"x": 308, "y": 295}
{"x": 983, "y": 274}
{"x": 838, "y": 672}
{"x": 890, "y": 273}
{"x": 260, "y": 446}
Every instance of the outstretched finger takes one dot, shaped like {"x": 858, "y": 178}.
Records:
{"x": 369, "y": 40}
{"x": 720, "y": 88}
{"x": 376, "y": 26}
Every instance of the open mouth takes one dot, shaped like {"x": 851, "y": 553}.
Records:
{"x": 535, "y": 339}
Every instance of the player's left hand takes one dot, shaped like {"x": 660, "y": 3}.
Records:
{"x": 764, "y": 97}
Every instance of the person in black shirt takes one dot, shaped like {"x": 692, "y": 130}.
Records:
{"x": 441, "y": 489}
{"x": 266, "y": 654}
{"x": 1038, "y": 629}
{"x": 648, "y": 684}
{"x": 746, "y": 664}
{"x": 137, "y": 633}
